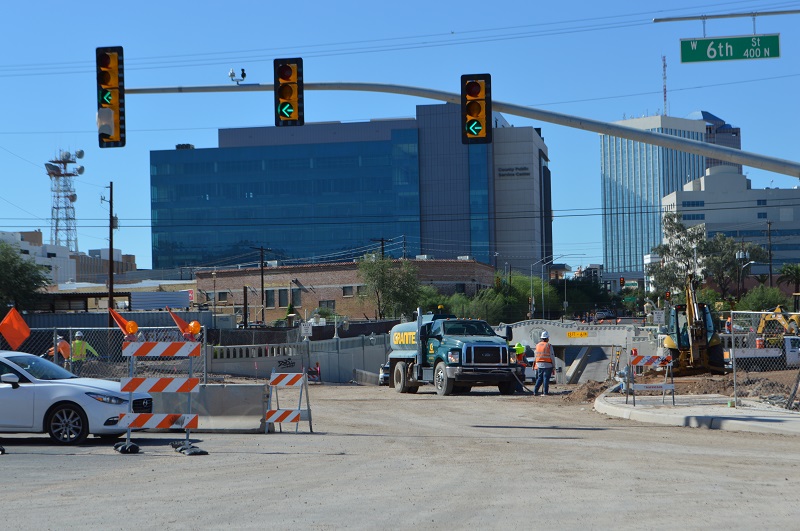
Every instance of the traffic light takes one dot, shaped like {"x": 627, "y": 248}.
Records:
{"x": 667, "y": 295}
{"x": 476, "y": 109}
{"x": 622, "y": 282}
{"x": 110, "y": 97}
{"x": 288, "y": 91}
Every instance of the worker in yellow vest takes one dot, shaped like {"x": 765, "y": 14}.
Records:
{"x": 544, "y": 361}
{"x": 80, "y": 349}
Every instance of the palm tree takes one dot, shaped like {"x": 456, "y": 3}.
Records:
{"x": 790, "y": 274}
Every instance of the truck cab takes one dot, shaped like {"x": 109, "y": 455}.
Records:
{"x": 452, "y": 354}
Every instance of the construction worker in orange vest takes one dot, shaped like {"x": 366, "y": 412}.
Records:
{"x": 63, "y": 350}
{"x": 543, "y": 363}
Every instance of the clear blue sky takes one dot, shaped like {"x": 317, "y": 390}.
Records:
{"x": 600, "y": 60}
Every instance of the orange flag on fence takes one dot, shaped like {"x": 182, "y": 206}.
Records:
{"x": 14, "y": 329}
{"x": 182, "y": 325}
{"x": 122, "y": 323}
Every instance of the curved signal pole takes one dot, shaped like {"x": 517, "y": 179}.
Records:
{"x": 736, "y": 156}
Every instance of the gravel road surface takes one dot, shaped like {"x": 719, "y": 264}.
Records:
{"x": 379, "y": 459}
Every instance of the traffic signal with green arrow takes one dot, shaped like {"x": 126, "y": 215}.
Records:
{"x": 476, "y": 109}
{"x": 110, "y": 97}
{"x": 288, "y": 91}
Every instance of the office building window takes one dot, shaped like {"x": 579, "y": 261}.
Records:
{"x": 347, "y": 291}
{"x": 283, "y": 298}
{"x": 328, "y": 305}
{"x": 761, "y": 202}
{"x": 694, "y": 217}
{"x": 762, "y": 215}
{"x": 690, "y": 204}
{"x": 269, "y": 298}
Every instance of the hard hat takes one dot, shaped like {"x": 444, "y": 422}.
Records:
{"x": 78, "y": 334}
{"x": 545, "y": 335}
{"x": 519, "y": 348}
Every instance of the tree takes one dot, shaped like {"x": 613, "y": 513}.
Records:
{"x": 678, "y": 253}
{"x": 790, "y": 274}
{"x": 20, "y": 279}
{"x": 762, "y": 298}
{"x": 720, "y": 262}
{"x": 392, "y": 285}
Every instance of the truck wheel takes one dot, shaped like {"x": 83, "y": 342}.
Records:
{"x": 444, "y": 385}
{"x": 412, "y": 389}
{"x": 400, "y": 382}
{"x": 462, "y": 389}
{"x": 507, "y": 388}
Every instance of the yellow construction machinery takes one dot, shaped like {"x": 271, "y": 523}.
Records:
{"x": 779, "y": 322}
{"x": 692, "y": 340}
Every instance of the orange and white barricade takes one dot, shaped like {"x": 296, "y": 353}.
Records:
{"x": 161, "y": 349}
{"x": 636, "y": 360}
{"x": 272, "y": 416}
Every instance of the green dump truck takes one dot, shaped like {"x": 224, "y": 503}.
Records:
{"x": 453, "y": 354}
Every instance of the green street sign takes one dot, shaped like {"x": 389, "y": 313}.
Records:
{"x": 730, "y": 48}
{"x": 285, "y": 109}
{"x": 474, "y": 127}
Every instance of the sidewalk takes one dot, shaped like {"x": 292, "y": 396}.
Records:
{"x": 702, "y": 411}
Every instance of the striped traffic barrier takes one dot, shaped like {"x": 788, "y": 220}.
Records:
{"x": 636, "y": 360}
{"x": 283, "y": 415}
{"x": 154, "y": 349}
{"x": 163, "y": 421}
{"x": 160, "y": 385}
{"x": 654, "y": 361}
{"x": 277, "y": 416}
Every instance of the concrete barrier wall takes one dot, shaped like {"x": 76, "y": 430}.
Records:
{"x": 338, "y": 358}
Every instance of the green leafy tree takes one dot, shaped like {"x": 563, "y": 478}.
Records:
{"x": 678, "y": 253}
{"x": 392, "y": 285}
{"x": 790, "y": 274}
{"x": 720, "y": 263}
{"x": 762, "y": 298}
{"x": 21, "y": 280}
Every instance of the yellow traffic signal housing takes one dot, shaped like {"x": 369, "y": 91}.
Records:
{"x": 110, "y": 97}
{"x": 288, "y": 91}
{"x": 476, "y": 109}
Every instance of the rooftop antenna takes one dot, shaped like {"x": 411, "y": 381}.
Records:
{"x": 664, "y": 78}
{"x": 62, "y": 187}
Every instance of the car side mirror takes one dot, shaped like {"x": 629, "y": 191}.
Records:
{"x": 509, "y": 334}
{"x": 12, "y": 379}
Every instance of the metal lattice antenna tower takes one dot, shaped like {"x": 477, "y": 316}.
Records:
{"x": 664, "y": 78}
{"x": 62, "y": 186}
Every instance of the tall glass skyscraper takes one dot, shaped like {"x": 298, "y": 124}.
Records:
{"x": 634, "y": 178}
{"x": 324, "y": 191}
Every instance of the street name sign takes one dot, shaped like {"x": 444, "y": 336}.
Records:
{"x": 730, "y": 48}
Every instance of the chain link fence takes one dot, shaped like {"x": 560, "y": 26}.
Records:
{"x": 763, "y": 351}
{"x": 97, "y": 352}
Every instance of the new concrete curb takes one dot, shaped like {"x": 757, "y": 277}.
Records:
{"x": 701, "y": 411}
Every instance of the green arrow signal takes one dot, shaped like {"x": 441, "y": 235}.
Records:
{"x": 285, "y": 109}
{"x": 474, "y": 127}
{"x": 106, "y": 97}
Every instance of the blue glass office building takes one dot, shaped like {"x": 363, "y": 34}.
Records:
{"x": 635, "y": 176}
{"x": 328, "y": 191}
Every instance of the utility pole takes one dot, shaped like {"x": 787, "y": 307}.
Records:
{"x": 111, "y": 227}
{"x": 263, "y": 296}
{"x": 383, "y": 245}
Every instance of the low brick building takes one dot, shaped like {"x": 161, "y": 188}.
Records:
{"x": 335, "y": 286}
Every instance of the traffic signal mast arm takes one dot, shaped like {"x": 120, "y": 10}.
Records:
{"x": 746, "y": 158}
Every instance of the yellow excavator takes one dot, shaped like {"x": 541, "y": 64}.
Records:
{"x": 693, "y": 341}
{"x": 779, "y": 321}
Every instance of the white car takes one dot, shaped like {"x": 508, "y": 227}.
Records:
{"x": 38, "y": 396}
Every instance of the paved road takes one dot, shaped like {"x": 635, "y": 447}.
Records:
{"x": 378, "y": 459}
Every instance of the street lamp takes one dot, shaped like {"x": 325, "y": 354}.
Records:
{"x": 741, "y": 277}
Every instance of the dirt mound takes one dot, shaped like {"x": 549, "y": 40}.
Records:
{"x": 586, "y": 392}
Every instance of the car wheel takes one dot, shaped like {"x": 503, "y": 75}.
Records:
{"x": 444, "y": 385}
{"x": 400, "y": 382}
{"x": 67, "y": 424}
{"x": 507, "y": 388}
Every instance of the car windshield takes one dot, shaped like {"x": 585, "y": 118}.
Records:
{"x": 40, "y": 368}
{"x": 472, "y": 328}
